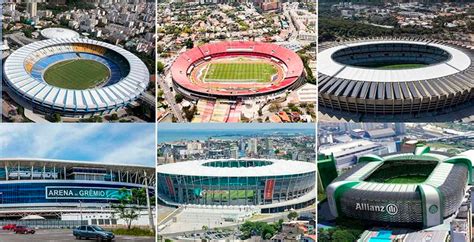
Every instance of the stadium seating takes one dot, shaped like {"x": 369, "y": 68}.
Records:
{"x": 292, "y": 66}
{"x": 38, "y": 62}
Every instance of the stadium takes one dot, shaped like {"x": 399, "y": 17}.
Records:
{"x": 74, "y": 77}
{"x": 394, "y": 76}
{"x": 270, "y": 185}
{"x": 59, "y": 190}
{"x": 418, "y": 189}
{"x": 236, "y": 69}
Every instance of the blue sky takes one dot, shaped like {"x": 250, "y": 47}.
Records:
{"x": 109, "y": 143}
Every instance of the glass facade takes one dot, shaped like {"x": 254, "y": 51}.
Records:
{"x": 30, "y": 181}
{"x": 206, "y": 190}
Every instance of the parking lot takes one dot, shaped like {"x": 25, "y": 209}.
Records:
{"x": 51, "y": 235}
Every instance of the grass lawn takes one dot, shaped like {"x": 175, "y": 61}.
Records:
{"x": 406, "y": 179}
{"x": 76, "y": 74}
{"x": 240, "y": 72}
{"x": 400, "y": 66}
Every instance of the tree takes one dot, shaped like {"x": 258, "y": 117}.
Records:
{"x": 114, "y": 116}
{"x": 343, "y": 236}
{"x": 160, "y": 67}
{"x": 189, "y": 43}
{"x": 292, "y": 215}
{"x": 127, "y": 207}
{"x": 179, "y": 97}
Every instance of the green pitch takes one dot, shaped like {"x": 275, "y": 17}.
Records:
{"x": 239, "y": 72}
{"x": 406, "y": 179}
{"x": 76, "y": 74}
{"x": 400, "y": 66}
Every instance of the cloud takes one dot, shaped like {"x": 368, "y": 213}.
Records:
{"x": 114, "y": 143}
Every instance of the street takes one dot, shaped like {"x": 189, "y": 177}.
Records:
{"x": 52, "y": 235}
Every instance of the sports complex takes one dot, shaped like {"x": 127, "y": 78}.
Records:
{"x": 394, "y": 76}
{"x": 270, "y": 185}
{"x": 74, "y": 77}
{"x": 60, "y": 190}
{"x": 236, "y": 69}
{"x": 418, "y": 189}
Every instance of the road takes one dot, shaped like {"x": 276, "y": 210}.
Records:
{"x": 170, "y": 97}
{"x": 53, "y": 235}
{"x": 272, "y": 219}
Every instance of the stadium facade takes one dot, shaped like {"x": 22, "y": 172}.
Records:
{"x": 56, "y": 188}
{"x": 23, "y": 73}
{"x": 188, "y": 68}
{"x": 418, "y": 189}
{"x": 392, "y": 76}
{"x": 271, "y": 185}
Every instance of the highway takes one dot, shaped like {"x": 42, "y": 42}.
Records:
{"x": 169, "y": 97}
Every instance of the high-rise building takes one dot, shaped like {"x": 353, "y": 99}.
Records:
{"x": 400, "y": 128}
{"x": 234, "y": 152}
{"x": 252, "y": 147}
{"x": 32, "y": 8}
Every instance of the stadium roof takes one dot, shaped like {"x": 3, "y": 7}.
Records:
{"x": 458, "y": 62}
{"x": 118, "y": 94}
{"x": 277, "y": 168}
{"x": 72, "y": 163}
{"x": 59, "y": 33}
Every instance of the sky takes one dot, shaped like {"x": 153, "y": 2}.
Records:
{"x": 168, "y": 132}
{"x": 111, "y": 143}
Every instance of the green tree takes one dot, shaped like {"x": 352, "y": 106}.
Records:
{"x": 127, "y": 207}
{"x": 178, "y": 97}
{"x": 189, "y": 43}
{"x": 292, "y": 215}
{"x": 343, "y": 236}
{"x": 114, "y": 116}
{"x": 160, "y": 67}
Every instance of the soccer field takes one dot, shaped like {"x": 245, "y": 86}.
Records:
{"x": 240, "y": 72}
{"x": 406, "y": 179}
{"x": 76, "y": 74}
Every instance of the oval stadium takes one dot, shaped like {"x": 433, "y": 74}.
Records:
{"x": 270, "y": 185}
{"x": 61, "y": 189}
{"x": 391, "y": 76}
{"x": 74, "y": 77}
{"x": 236, "y": 69}
{"x": 418, "y": 189}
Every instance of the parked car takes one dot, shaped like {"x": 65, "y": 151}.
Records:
{"x": 93, "y": 231}
{"x": 24, "y": 230}
{"x": 9, "y": 227}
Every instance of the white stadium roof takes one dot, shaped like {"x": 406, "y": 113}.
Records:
{"x": 118, "y": 94}
{"x": 59, "y": 33}
{"x": 58, "y": 162}
{"x": 277, "y": 168}
{"x": 458, "y": 62}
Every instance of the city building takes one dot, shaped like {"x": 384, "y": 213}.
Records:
{"x": 32, "y": 8}
{"x": 346, "y": 154}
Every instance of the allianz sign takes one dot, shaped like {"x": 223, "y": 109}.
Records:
{"x": 391, "y": 208}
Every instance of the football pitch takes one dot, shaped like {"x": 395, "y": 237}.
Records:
{"x": 406, "y": 179}
{"x": 240, "y": 72}
{"x": 76, "y": 74}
